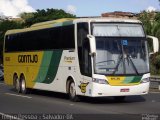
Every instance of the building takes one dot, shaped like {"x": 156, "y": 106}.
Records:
{"x": 120, "y": 14}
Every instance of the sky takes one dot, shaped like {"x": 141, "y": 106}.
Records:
{"x": 80, "y": 8}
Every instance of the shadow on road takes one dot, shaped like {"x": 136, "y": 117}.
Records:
{"x": 96, "y": 100}
{"x": 42, "y": 93}
{"x": 111, "y": 100}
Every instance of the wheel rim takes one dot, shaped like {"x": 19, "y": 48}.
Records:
{"x": 23, "y": 85}
{"x": 72, "y": 90}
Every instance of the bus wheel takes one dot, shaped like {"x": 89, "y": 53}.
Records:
{"x": 23, "y": 85}
{"x": 72, "y": 92}
{"x": 119, "y": 98}
{"x": 15, "y": 77}
{"x": 16, "y": 83}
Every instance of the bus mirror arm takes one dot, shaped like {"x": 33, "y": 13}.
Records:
{"x": 92, "y": 43}
{"x": 92, "y": 54}
{"x": 155, "y": 44}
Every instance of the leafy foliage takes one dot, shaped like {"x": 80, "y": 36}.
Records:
{"x": 145, "y": 18}
{"x": 4, "y": 26}
{"x": 7, "y": 25}
{"x": 25, "y": 16}
{"x": 155, "y": 64}
{"x": 45, "y": 15}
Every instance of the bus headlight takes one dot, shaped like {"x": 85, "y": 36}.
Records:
{"x": 145, "y": 80}
{"x": 100, "y": 81}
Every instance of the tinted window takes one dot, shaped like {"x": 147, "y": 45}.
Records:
{"x": 45, "y": 39}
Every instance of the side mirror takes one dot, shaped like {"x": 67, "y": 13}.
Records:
{"x": 92, "y": 43}
{"x": 155, "y": 44}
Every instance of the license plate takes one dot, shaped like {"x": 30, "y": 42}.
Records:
{"x": 124, "y": 90}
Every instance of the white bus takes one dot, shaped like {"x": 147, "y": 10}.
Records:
{"x": 93, "y": 57}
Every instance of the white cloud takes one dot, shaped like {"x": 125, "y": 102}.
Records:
{"x": 71, "y": 9}
{"x": 150, "y": 9}
{"x": 14, "y": 7}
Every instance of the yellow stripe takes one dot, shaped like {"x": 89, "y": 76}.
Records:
{"x": 118, "y": 81}
{"x": 30, "y": 70}
{"x": 115, "y": 80}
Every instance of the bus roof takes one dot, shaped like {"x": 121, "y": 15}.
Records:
{"x": 43, "y": 25}
{"x": 63, "y": 20}
{"x": 68, "y": 21}
{"x": 108, "y": 19}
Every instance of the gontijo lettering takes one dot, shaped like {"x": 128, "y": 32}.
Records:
{"x": 27, "y": 58}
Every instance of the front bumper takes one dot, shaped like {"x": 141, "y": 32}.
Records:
{"x": 102, "y": 90}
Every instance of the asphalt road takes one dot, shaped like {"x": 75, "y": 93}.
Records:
{"x": 49, "y": 103}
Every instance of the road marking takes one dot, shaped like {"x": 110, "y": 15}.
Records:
{"x": 153, "y": 101}
{"x": 10, "y": 117}
{"x": 1, "y": 83}
{"x": 18, "y": 95}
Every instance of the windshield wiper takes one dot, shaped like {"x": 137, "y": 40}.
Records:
{"x": 131, "y": 61}
{"x": 134, "y": 67}
{"x": 121, "y": 58}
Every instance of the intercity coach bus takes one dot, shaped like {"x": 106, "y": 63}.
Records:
{"x": 93, "y": 57}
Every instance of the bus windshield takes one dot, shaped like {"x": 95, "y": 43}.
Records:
{"x": 118, "y": 55}
{"x": 116, "y": 30}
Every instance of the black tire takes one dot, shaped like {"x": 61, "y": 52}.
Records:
{"x": 72, "y": 92}
{"x": 15, "y": 77}
{"x": 16, "y": 83}
{"x": 119, "y": 98}
{"x": 24, "y": 90}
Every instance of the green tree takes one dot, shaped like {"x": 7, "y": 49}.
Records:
{"x": 7, "y": 25}
{"x": 145, "y": 17}
{"x": 4, "y": 26}
{"x": 25, "y": 15}
{"x": 45, "y": 15}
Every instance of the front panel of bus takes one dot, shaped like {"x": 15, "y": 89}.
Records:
{"x": 121, "y": 64}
